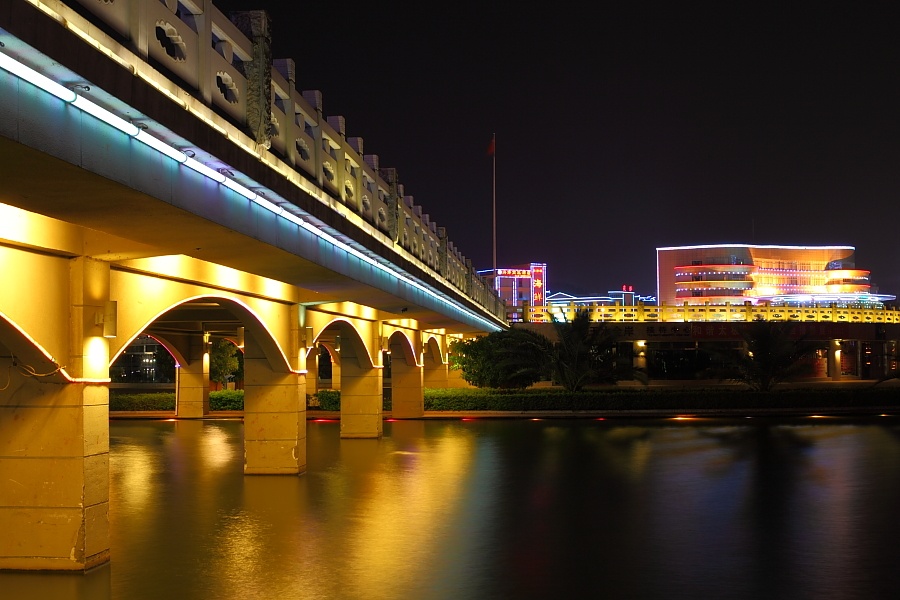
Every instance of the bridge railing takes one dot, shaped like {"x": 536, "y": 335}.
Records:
{"x": 219, "y": 59}
{"x": 714, "y": 313}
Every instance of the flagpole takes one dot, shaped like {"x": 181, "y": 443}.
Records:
{"x": 494, "y": 193}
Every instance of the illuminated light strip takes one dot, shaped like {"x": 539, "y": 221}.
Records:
{"x": 88, "y": 38}
{"x": 271, "y": 206}
{"x": 204, "y": 170}
{"x": 161, "y": 147}
{"x": 246, "y": 193}
{"x": 62, "y": 370}
{"x": 35, "y": 78}
{"x": 104, "y": 115}
{"x": 243, "y": 304}
{"x": 28, "y": 74}
{"x": 764, "y": 246}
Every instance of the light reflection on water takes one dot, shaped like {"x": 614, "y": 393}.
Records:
{"x": 502, "y": 509}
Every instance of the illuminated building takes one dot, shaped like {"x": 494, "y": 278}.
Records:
{"x": 777, "y": 275}
{"x": 518, "y": 285}
{"x": 624, "y": 297}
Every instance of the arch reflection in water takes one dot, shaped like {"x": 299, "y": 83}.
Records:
{"x": 507, "y": 508}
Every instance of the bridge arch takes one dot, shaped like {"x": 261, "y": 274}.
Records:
{"x": 351, "y": 344}
{"x": 407, "y": 387}
{"x": 402, "y": 346}
{"x": 208, "y": 309}
{"x": 21, "y": 352}
{"x": 335, "y": 333}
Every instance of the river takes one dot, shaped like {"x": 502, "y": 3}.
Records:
{"x": 503, "y": 508}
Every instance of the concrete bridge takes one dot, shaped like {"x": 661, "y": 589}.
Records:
{"x": 160, "y": 173}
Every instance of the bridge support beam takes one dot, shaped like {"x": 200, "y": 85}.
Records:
{"x": 407, "y": 389}
{"x": 274, "y": 416}
{"x": 312, "y": 370}
{"x": 361, "y": 395}
{"x": 54, "y": 465}
{"x": 54, "y": 432}
{"x": 335, "y": 373}
{"x": 435, "y": 372}
{"x": 834, "y": 360}
{"x": 192, "y": 382}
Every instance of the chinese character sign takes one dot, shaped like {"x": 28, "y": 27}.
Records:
{"x": 538, "y": 273}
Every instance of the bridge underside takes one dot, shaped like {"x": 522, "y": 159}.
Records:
{"x": 104, "y": 237}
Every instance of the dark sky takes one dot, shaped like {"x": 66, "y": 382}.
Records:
{"x": 620, "y": 129}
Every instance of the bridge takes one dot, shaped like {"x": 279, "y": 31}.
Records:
{"x": 161, "y": 174}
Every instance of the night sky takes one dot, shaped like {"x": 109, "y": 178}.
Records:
{"x": 621, "y": 129}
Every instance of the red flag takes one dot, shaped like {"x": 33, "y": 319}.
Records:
{"x": 491, "y": 147}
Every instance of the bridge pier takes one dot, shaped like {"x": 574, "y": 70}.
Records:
{"x": 362, "y": 394}
{"x": 335, "y": 373}
{"x": 407, "y": 386}
{"x": 192, "y": 382}
{"x": 274, "y": 416}
{"x": 54, "y": 422}
{"x": 434, "y": 370}
{"x": 834, "y": 360}
{"x": 54, "y": 465}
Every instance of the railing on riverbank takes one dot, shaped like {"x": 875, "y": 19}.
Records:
{"x": 700, "y": 313}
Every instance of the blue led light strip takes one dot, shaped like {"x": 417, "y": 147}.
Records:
{"x": 70, "y": 97}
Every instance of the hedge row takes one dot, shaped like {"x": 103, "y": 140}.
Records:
{"x": 219, "y": 400}
{"x": 466, "y": 399}
{"x": 657, "y": 399}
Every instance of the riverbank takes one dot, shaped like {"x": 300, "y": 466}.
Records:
{"x": 668, "y": 400}
{"x": 317, "y": 415}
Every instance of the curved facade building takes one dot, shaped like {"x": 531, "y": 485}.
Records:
{"x": 738, "y": 273}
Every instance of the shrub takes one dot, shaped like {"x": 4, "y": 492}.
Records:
{"x": 226, "y": 400}
{"x": 329, "y": 399}
{"x": 147, "y": 401}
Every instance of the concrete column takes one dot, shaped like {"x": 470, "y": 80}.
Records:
{"x": 435, "y": 375}
{"x": 361, "y": 394}
{"x": 54, "y": 432}
{"x": 834, "y": 360}
{"x": 407, "y": 388}
{"x": 435, "y": 371}
{"x": 274, "y": 416}
{"x": 312, "y": 371}
{"x": 54, "y": 468}
{"x": 192, "y": 382}
{"x": 335, "y": 373}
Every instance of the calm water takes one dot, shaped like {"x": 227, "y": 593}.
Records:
{"x": 503, "y": 509}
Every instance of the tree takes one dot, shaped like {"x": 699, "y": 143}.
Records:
{"x": 223, "y": 361}
{"x": 515, "y": 358}
{"x": 773, "y": 352}
{"x": 583, "y": 353}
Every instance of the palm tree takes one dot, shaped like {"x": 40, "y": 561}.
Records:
{"x": 582, "y": 353}
{"x": 772, "y": 353}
